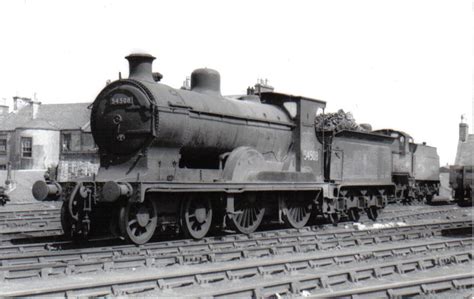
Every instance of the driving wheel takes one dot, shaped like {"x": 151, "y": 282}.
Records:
{"x": 248, "y": 213}
{"x": 137, "y": 220}
{"x": 196, "y": 217}
{"x": 296, "y": 211}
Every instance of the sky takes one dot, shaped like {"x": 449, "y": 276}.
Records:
{"x": 402, "y": 64}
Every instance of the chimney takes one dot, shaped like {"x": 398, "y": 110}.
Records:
{"x": 34, "y": 108}
{"x": 263, "y": 86}
{"x": 463, "y": 130}
{"x": 3, "y": 111}
{"x": 140, "y": 66}
{"x": 20, "y": 102}
{"x": 186, "y": 84}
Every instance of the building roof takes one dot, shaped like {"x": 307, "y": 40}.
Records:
{"x": 49, "y": 116}
{"x": 38, "y": 124}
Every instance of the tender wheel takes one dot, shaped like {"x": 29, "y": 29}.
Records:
{"x": 408, "y": 200}
{"x": 400, "y": 194}
{"x": 353, "y": 214}
{"x": 296, "y": 211}
{"x": 333, "y": 218}
{"x": 372, "y": 213}
{"x": 66, "y": 221}
{"x": 429, "y": 199}
{"x": 196, "y": 217}
{"x": 137, "y": 221}
{"x": 248, "y": 214}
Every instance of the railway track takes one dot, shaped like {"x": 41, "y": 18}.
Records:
{"x": 29, "y": 223}
{"x": 44, "y": 263}
{"x": 293, "y": 281}
{"x": 409, "y": 288}
{"x": 10, "y": 215}
{"x": 281, "y": 236}
{"x": 396, "y": 208}
{"x": 252, "y": 275}
{"x": 314, "y": 261}
{"x": 24, "y": 222}
{"x": 416, "y": 215}
{"x": 49, "y": 225}
{"x": 16, "y": 220}
{"x": 30, "y": 234}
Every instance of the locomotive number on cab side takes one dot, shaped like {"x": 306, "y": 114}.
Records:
{"x": 310, "y": 155}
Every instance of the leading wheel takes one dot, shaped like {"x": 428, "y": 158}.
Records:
{"x": 196, "y": 217}
{"x": 71, "y": 232}
{"x": 248, "y": 213}
{"x": 137, "y": 220}
{"x": 296, "y": 211}
{"x": 372, "y": 213}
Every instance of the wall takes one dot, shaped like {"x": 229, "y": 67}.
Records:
{"x": 73, "y": 169}
{"x": 80, "y": 159}
{"x": 45, "y": 149}
{"x": 5, "y": 158}
{"x": 81, "y": 142}
{"x": 444, "y": 190}
{"x": 465, "y": 152}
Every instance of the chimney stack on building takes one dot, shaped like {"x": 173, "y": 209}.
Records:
{"x": 34, "y": 108}
{"x": 20, "y": 102}
{"x": 263, "y": 86}
{"x": 463, "y": 130}
{"x": 3, "y": 111}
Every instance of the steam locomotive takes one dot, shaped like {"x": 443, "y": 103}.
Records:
{"x": 188, "y": 161}
{"x": 415, "y": 167}
{"x": 461, "y": 180}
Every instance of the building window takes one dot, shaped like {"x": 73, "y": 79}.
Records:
{"x": 26, "y": 147}
{"x": 3, "y": 146}
{"x": 3, "y": 167}
{"x": 66, "y": 146}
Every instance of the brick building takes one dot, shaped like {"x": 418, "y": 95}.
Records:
{"x": 37, "y": 136}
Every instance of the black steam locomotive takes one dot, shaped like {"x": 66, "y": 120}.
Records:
{"x": 192, "y": 160}
{"x": 461, "y": 180}
{"x": 415, "y": 167}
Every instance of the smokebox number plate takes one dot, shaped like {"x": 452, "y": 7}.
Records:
{"x": 120, "y": 99}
